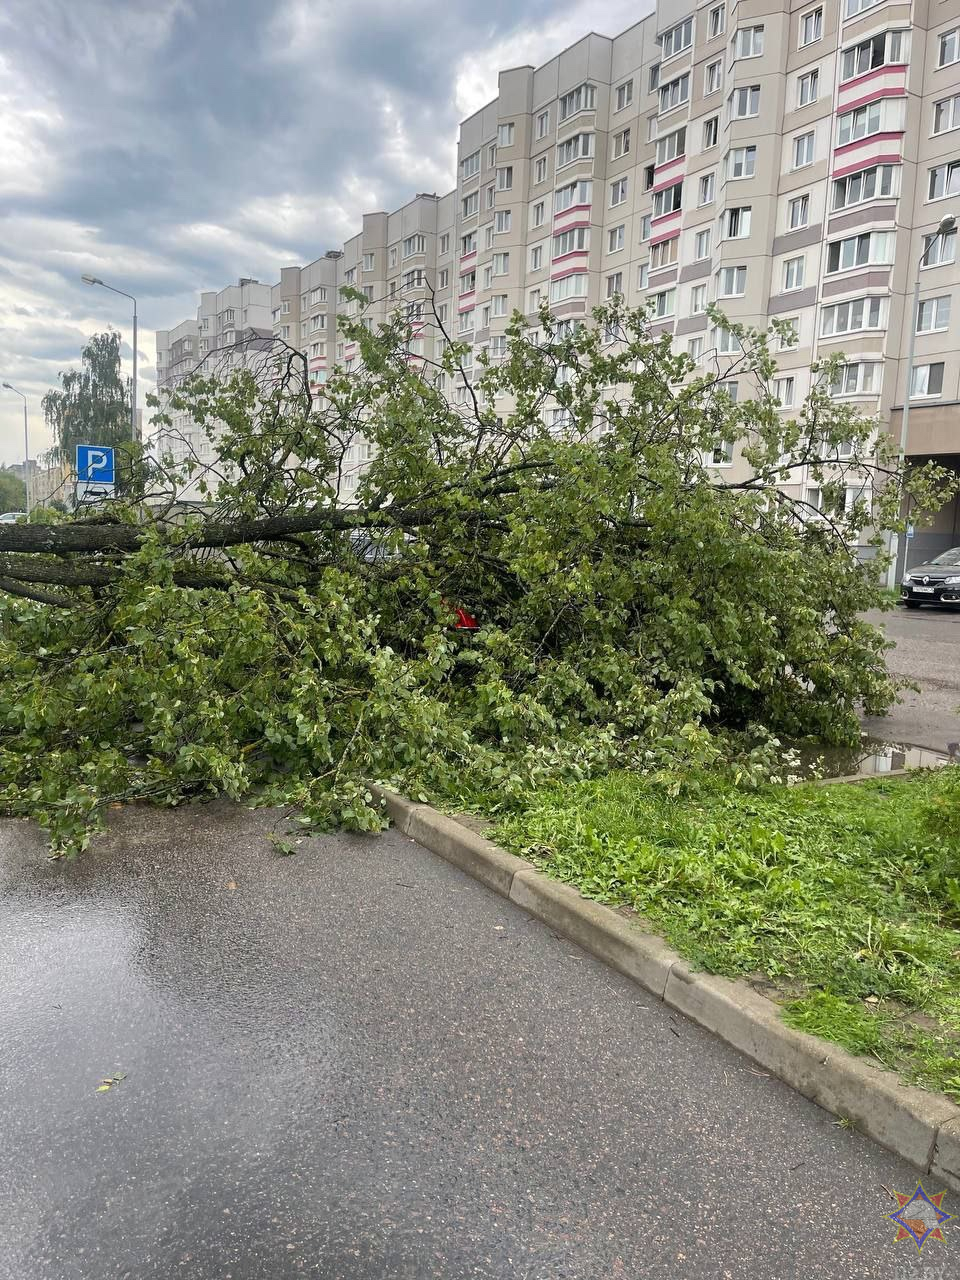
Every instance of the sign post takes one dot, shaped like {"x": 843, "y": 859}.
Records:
{"x": 95, "y": 471}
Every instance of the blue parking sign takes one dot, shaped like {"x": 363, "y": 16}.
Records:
{"x": 95, "y": 464}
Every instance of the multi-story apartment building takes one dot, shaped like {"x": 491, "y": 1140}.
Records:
{"x": 233, "y": 326}
{"x": 784, "y": 159}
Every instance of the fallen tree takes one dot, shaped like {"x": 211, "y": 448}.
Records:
{"x": 638, "y": 601}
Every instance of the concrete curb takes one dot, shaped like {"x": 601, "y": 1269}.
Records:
{"x": 922, "y": 1127}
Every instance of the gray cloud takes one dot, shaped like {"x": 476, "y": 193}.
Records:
{"x": 175, "y": 146}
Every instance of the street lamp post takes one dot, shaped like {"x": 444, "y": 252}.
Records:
{"x": 947, "y": 224}
{"x": 26, "y": 443}
{"x": 133, "y": 398}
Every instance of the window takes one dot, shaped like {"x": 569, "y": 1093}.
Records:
{"x": 675, "y": 93}
{"x": 615, "y": 239}
{"x": 443, "y": 279}
{"x": 861, "y": 378}
{"x": 491, "y": 196}
{"x": 318, "y": 322}
{"x": 701, "y": 245}
{"x": 505, "y": 134}
{"x": 465, "y": 323}
{"x": 793, "y": 273}
{"x": 672, "y": 145}
{"x": 468, "y": 244}
{"x": 853, "y": 7}
{"x": 575, "y": 193}
{"x": 808, "y": 88}
{"x": 784, "y": 390}
{"x": 368, "y": 262}
{"x": 946, "y": 114}
{"x": 614, "y": 284}
{"x": 505, "y": 178}
{"x": 868, "y": 184}
{"x": 879, "y": 51}
{"x": 695, "y": 349}
{"x": 498, "y": 305}
{"x": 938, "y": 250}
{"x": 676, "y": 39}
{"x": 707, "y": 188}
{"x": 949, "y": 48}
{"x": 851, "y": 317}
{"x": 735, "y": 223}
{"x": 583, "y": 98}
{"x": 394, "y": 255}
{"x": 645, "y": 227}
{"x": 502, "y": 220}
{"x": 669, "y": 200}
{"x": 468, "y": 282}
{"x": 664, "y": 303}
{"x": 445, "y": 243}
{"x": 536, "y": 257}
{"x": 624, "y": 95}
{"x": 664, "y": 254}
{"x": 745, "y": 102}
{"x": 540, "y": 169}
{"x": 621, "y": 143}
{"x": 492, "y": 155}
{"x": 579, "y": 147}
{"x": 284, "y": 333}
{"x": 870, "y": 248}
{"x": 798, "y": 212}
{"x": 654, "y": 80}
{"x": 543, "y": 124}
{"x": 742, "y": 162}
{"x": 471, "y": 205}
{"x": 576, "y": 240}
{"x": 533, "y": 300}
{"x": 649, "y": 176}
{"x": 573, "y": 286}
{"x": 944, "y": 180}
{"x": 803, "y": 150}
{"x": 501, "y": 264}
{"x": 926, "y": 380}
{"x": 731, "y": 282}
{"x": 698, "y": 300}
{"x": 618, "y": 192}
{"x": 716, "y": 20}
{"x": 414, "y": 244}
{"x": 748, "y": 42}
{"x": 811, "y": 27}
{"x": 933, "y": 314}
{"x": 713, "y": 76}
{"x": 859, "y": 124}
{"x": 539, "y": 213}
{"x": 722, "y": 455}
{"x": 643, "y": 276}
{"x": 789, "y": 338}
{"x": 318, "y": 295}
{"x": 470, "y": 165}
{"x": 711, "y": 132}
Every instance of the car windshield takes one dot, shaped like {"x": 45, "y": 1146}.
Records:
{"x": 948, "y": 557}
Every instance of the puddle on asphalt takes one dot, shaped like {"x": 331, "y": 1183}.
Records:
{"x": 871, "y": 758}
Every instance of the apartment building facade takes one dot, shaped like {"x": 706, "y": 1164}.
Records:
{"x": 784, "y": 159}
{"x": 233, "y": 326}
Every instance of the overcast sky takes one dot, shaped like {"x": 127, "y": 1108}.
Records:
{"x": 171, "y": 146}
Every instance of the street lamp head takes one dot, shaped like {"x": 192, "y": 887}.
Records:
{"x": 8, "y": 386}
{"x": 91, "y": 280}
{"x": 947, "y": 224}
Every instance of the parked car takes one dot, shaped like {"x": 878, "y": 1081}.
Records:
{"x": 11, "y": 517}
{"x": 936, "y": 582}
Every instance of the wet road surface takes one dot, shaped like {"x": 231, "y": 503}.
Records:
{"x": 926, "y": 651}
{"x": 358, "y": 1063}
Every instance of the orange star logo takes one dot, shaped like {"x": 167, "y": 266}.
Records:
{"x": 920, "y": 1217}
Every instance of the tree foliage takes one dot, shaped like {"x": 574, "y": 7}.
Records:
{"x": 92, "y": 403}
{"x": 13, "y": 492}
{"x": 297, "y": 638}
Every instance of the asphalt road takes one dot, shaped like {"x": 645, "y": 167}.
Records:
{"x": 358, "y": 1063}
{"x": 927, "y": 651}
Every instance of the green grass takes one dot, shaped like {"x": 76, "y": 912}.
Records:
{"x": 845, "y": 898}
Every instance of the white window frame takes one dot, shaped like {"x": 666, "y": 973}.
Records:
{"x": 623, "y": 95}
{"x": 737, "y": 276}
{"x": 939, "y": 314}
{"x": 816, "y": 17}
{"x": 794, "y": 272}
{"x": 808, "y": 87}
{"x": 804, "y": 145}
